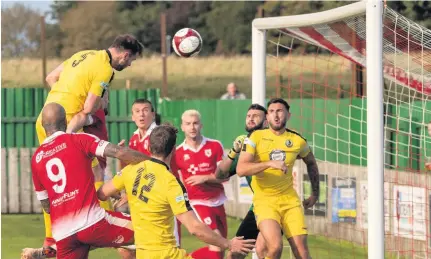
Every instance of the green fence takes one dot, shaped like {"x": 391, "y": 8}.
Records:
{"x": 336, "y": 129}
{"x": 21, "y": 106}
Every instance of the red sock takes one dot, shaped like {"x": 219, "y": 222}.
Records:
{"x": 205, "y": 253}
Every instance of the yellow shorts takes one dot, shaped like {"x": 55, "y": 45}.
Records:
{"x": 286, "y": 210}
{"x": 41, "y": 134}
{"x": 170, "y": 253}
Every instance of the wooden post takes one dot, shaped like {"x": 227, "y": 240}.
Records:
{"x": 43, "y": 49}
{"x": 163, "y": 52}
{"x": 260, "y": 12}
{"x": 4, "y": 185}
{"x": 127, "y": 84}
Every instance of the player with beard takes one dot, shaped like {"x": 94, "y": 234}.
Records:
{"x": 269, "y": 155}
{"x": 78, "y": 85}
{"x": 254, "y": 120}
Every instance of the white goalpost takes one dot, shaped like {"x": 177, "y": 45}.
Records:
{"x": 378, "y": 140}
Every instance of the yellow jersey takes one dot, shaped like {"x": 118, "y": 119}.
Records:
{"x": 155, "y": 195}
{"x": 266, "y": 146}
{"x": 87, "y": 71}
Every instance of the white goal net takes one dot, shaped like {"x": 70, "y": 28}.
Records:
{"x": 321, "y": 70}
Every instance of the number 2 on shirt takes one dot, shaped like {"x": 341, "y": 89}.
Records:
{"x": 144, "y": 188}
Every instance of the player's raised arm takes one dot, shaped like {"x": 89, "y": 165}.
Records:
{"x": 224, "y": 168}
{"x": 125, "y": 154}
{"x": 246, "y": 162}
{"x": 111, "y": 188}
{"x": 54, "y": 75}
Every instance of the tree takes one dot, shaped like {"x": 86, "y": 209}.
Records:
{"x": 230, "y": 22}
{"x": 20, "y": 36}
{"x": 142, "y": 19}
{"x": 89, "y": 25}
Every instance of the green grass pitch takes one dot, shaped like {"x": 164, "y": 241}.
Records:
{"x": 19, "y": 231}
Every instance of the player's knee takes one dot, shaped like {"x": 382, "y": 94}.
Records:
{"x": 261, "y": 250}
{"x": 126, "y": 253}
{"x": 274, "y": 249}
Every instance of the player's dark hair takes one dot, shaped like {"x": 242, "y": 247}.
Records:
{"x": 279, "y": 100}
{"x": 259, "y": 107}
{"x": 142, "y": 101}
{"x": 128, "y": 42}
{"x": 163, "y": 139}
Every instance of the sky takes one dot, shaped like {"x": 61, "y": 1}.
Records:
{"x": 41, "y": 6}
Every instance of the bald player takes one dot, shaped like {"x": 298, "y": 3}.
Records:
{"x": 79, "y": 84}
{"x": 64, "y": 184}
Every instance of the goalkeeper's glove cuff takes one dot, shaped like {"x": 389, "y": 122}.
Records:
{"x": 98, "y": 184}
{"x": 232, "y": 154}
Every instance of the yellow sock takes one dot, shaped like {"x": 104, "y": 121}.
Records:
{"x": 48, "y": 229}
{"x": 107, "y": 205}
{"x": 267, "y": 257}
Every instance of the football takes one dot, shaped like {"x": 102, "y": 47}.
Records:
{"x": 187, "y": 43}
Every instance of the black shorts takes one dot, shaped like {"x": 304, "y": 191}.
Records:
{"x": 248, "y": 228}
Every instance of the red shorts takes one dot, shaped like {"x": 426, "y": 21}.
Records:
{"x": 113, "y": 231}
{"x": 214, "y": 217}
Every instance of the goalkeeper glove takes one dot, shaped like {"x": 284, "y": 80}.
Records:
{"x": 237, "y": 145}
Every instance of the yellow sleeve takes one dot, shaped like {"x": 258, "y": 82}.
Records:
{"x": 305, "y": 148}
{"x": 177, "y": 197}
{"x": 118, "y": 181}
{"x": 101, "y": 79}
{"x": 250, "y": 143}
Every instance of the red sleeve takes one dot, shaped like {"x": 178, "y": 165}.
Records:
{"x": 90, "y": 144}
{"x": 173, "y": 165}
{"x": 40, "y": 190}
{"x": 219, "y": 152}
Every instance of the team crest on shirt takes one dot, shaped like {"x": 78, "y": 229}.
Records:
{"x": 186, "y": 157}
{"x": 208, "y": 152}
{"x": 278, "y": 155}
{"x": 289, "y": 143}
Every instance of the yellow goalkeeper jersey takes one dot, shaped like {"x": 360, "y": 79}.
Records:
{"x": 266, "y": 146}
{"x": 155, "y": 195}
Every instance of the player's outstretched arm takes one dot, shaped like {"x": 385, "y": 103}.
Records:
{"x": 125, "y": 154}
{"x": 107, "y": 190}
{"x": 79, "y": 120}
{"x": 225, "y": 167}
{"x": 54, "y": 75}
{"x": 205, "y": 234}
{"x": 313, "y": 174}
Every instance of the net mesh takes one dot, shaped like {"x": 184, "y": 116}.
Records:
{"x": 320, "y": 69}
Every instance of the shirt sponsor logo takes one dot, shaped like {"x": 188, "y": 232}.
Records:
{"x": 50, "y": 152}
{"x": 65, "y": 197}
{"x": 278, "y": 155}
